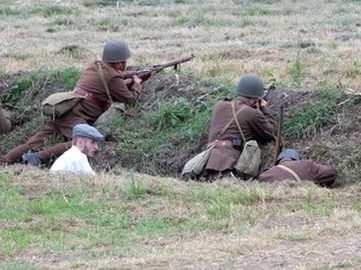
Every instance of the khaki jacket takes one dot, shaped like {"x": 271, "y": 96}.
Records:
{"x": 5, "y": 124}
{"x": 91, "y": 82}
{"x": 256, "y": 124}
{"x": 305, "y": 169}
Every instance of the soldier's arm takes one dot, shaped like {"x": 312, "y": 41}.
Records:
{"x": 263, "y": 125}
{"x": 269, "y": 116}
{"x": 322, "y": 174}
{"x": 120, "y": 91}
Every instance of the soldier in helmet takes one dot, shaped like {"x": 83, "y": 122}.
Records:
{"x": 255, "y": 120}
{"x": 290, "y": 166}
{"x": 5, "y": 124}
{"x": 91, "y": 85}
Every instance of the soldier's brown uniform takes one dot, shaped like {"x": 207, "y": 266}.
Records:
{"x": 86, "y": 111}
{"x": 305, "y": 170}
{"x": 5, "y": 124}
{"x": 256, "y": 124}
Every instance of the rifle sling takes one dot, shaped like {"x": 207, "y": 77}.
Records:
{"x": 290, "y": 171}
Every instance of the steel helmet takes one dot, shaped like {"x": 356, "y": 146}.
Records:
{"x": 116, "y": 51}
{"x": 250, "y": 86}
{"x": 289, "y": 153}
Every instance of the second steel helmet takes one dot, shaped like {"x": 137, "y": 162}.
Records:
{"x": 250, "y": 86}
{"x": 289, "y": 153}
{"x": 116, "y": 51}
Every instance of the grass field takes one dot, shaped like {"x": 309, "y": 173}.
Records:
{"x": 126, "y": 220}
{"x": 132, "y": 221}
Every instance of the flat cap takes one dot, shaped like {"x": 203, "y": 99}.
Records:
{"x": 87, "y": 131}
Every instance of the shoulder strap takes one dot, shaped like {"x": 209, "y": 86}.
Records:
{"x": 289, "y": 171}
{"x": 232, "y": 119}
{"x": 236, "y": 119}
{"x": 102, "y": 77}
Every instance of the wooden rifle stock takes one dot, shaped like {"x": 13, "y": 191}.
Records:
{"x": 145, "y": 73}
{"x": 278, "y": 145}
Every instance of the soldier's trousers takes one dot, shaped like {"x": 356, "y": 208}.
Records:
{"x": 62, "y": 125}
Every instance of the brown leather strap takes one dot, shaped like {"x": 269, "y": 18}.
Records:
{"x": 236, "y": 120}
{"x": 290, "y": 171}
{"x": 231, "y": 120}
{"x": 91, "y": 97}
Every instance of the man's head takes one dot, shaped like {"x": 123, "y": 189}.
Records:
{"x": 288, "y": 153}
{"x": 86, "y": 138}
{"x": 250, "y": 86}
{"x": 116, "y": 53}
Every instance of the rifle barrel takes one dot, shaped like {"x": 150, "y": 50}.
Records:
{"x": 157, "y": 68}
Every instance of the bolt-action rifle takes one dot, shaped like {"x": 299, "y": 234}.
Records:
{"x": 147, "y": 72}
{"x": 278, "y": 145}
{"x": 268, "y": 90}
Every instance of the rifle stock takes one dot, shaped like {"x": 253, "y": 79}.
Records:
{"x": 147, "y": 72}
{"x": 278, "y": 145}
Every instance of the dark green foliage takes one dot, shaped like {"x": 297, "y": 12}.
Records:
{"x": 69, "y": 77}
{"x": 37, "y": 85}
{"x": 18, "y": 91}
{"x": 313, "y": 117}
{"x": 171, "y": 114}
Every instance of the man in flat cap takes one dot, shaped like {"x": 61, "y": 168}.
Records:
{"x": 93, "y": 85}
{"x": 85, "y": 140}
{"x": 290, "y": 166}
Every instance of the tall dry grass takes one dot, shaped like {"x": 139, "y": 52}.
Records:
{"x": 229, "y": 38}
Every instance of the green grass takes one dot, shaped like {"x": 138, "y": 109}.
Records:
{"x": 84, "y": 216}
{"x": 298, "y": 72}
{"x": 52, "y": 10}
{"x": 8, "y": 11}
{"x": 258, "y": 11}
{"x": 36, "y": 85}
{"x": 17, "y": 56}
{"x": 136, "y": 190}
{"x": 171, "y": 114}
{"x": 313, "y": 208}
{"x": 63, "y": 21}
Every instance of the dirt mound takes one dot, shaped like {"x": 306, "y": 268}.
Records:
{"x": 170, "y": 122}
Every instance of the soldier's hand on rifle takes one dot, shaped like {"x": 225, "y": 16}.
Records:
{"x": 128, "y": 81}
{"x": 262, "y": 102}
{"x": 136, "y": 79}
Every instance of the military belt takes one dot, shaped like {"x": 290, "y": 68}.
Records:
{"x": 92, "y": 98}
{"x": 220, "y": 143}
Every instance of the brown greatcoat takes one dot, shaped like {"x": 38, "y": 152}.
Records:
{"x": 256, "y": 124}
{"x": 305, "y": 169}
{"x": 86, "y": 111}
{"x": 5, "y": 124}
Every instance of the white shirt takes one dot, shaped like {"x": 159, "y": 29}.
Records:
{"x": 73, "y": 161}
